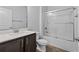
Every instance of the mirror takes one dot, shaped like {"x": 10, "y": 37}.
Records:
{"x": 13, "y": 17}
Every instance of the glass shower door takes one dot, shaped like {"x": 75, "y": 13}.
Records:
{"x": 60, "y": 24}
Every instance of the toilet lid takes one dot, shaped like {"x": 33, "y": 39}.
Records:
{"x": 42, "y": 41}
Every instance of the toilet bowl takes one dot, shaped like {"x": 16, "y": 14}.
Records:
{"x": 41, "y": 43}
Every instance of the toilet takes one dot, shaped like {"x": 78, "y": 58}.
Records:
{"x": 41, "y": 43}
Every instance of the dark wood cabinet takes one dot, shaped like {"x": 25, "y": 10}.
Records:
{"x": 23, "y": 44}
{"x": 30, "y": 43}
{"x": 12, "y": 46}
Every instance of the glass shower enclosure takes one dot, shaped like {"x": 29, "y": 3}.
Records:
{"x": 60, "y": 23}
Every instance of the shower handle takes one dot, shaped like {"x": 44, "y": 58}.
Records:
{"x": 45, "y": 28}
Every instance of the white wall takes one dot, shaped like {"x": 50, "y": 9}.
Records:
{"x": 34, "y": 18}
{"x": 19, "y": 15}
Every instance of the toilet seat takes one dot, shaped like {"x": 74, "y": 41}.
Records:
{"x": 42, "y": 42}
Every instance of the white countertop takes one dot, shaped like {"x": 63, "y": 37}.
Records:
{"x": 10, "y": 36}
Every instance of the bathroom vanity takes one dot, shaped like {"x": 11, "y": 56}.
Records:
{"x": 18, "y": 42}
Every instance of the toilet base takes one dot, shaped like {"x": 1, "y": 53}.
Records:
{"x": 41, "y": 48}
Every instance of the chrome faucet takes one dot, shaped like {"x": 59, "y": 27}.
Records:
{"x": 14, "y": 30}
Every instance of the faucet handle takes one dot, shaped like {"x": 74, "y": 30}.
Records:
{"x": 16, "y": 30}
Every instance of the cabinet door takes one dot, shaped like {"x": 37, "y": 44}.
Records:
{"x": 12, "y": 46}
{"x": 30, "y": 44}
